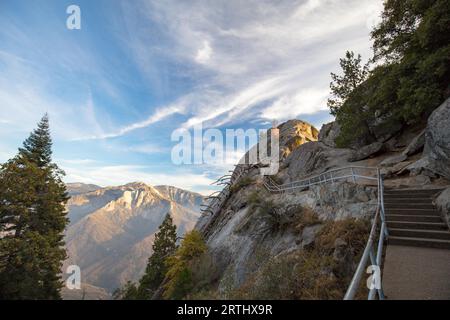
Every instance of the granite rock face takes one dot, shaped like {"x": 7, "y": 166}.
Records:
{"x": 329, "y": 132}
{"x": 443, "y": 204}
{"x": 393, "y": 160}
{"x": 238, "y": 234}
{"x": 416, "y": 145}
{"x": 242, "y": 238}
{"x": 437, "y": 140}
{"x": 366, "y": 151}
{"x": 294, "y": 133}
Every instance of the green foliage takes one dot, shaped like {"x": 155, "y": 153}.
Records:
{"x": 38, "y": 147}
{"x": 163, "y": 247}
{"x": 412, "y": 52}
{"x": 342, "y": 86}
{"x": 33, "y": 218}
{"x": 180, "y": 276}
{"x": 128, "y": 292}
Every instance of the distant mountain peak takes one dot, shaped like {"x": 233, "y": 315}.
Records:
{"x": 75, "y": 188}
{"x": 137, "y": 184}
{"x": 111, "y": 230}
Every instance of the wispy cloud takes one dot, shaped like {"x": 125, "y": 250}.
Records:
{"x": 147, "y": 148}
{"x": 266, "y": 56}
{"x": 149, "y": 65}
{"x": 157, "y": 116}
{"x": 204, "y": 53}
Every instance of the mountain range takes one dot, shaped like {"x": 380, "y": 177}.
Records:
{"x": 111, "y": 230}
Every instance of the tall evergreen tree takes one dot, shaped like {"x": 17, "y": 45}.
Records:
{"x": 163, "y": 247}
{"x": 342, "y": 86}
{"x": 411, "y": 77}
{"x": 38, "y": 147}
{"x": 32, "y": 220}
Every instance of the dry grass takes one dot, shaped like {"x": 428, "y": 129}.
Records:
{"x": 305, "y": 217}
{"x": 314, "y": 273}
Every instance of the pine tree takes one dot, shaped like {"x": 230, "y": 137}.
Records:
{"x": 343, "y": 85}
{"x": 163, "y": 247}
{"x": 32, "y": 220}
{"x": 38, "y": 147}
{"x": 179, "y": 277}
{"x": 411, "y": 48}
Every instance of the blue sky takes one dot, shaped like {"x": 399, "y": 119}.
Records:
{"x": 137, "y": 70}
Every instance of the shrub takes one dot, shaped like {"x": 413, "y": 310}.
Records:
{"x": 179, "y": 277}
{"x": 128, "y": 292}
{"x": 242, "y": 183}
{"x": 312, "y": 273}
{"x": 305, "y": 217}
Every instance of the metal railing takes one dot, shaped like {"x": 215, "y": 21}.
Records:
{"x": 352, "y": 173}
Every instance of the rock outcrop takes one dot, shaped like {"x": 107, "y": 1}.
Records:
{"x": 294, "y": 133}
{"x": 254, "y": 226}
{"x": 240, "y": 234}
{"x": 313, "y": 158}
{"x": 437, "y": 140}
{"x": 443, "y": 204}
{"x": 416, "y": 144}
{"x": 366, "y": 151}
{"x": 329, "y": 132}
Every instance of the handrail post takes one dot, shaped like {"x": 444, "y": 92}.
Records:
{"x": 381, "y": 195}
{"x": 353, "y": 175}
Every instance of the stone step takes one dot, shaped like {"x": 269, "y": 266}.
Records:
{"x": 417, "y": 233}
{"x": 410, "y": 192}
{"x": 408, "y": 201}
{"x": 408, "y": 211}
{"x": 419, "y": 242}
{"x": 413, "y": 218}
{"x": 407, "y": 196}
{"x": 409, "y": 205}
{"x": 417, "y": 225}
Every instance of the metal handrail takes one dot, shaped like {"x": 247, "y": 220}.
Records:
{"x": 322, "y": 178}
{"x": 368, "y": 253}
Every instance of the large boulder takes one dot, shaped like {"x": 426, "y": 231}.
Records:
{"x": 437, "y": 140}
{"x": 416, "y": 144}
{"x": 443, "y": 204}
{"x": 329, "y": 132}
{"x": 366, "y": 151}
{"x": 307, "y": 159}
{"x": 393, "y": 160}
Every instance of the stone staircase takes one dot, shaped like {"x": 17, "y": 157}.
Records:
{"x": 413, "y": 220}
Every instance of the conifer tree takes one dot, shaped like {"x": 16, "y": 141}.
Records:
{"x": 343, "y": 85}
{"x": 179, "y": 280}
{"x": 410, "y": 75}
{"x": 32, "y": 221}
{"x": 163, "y": 247}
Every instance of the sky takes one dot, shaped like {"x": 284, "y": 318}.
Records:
{"x": 117, "y": 88}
